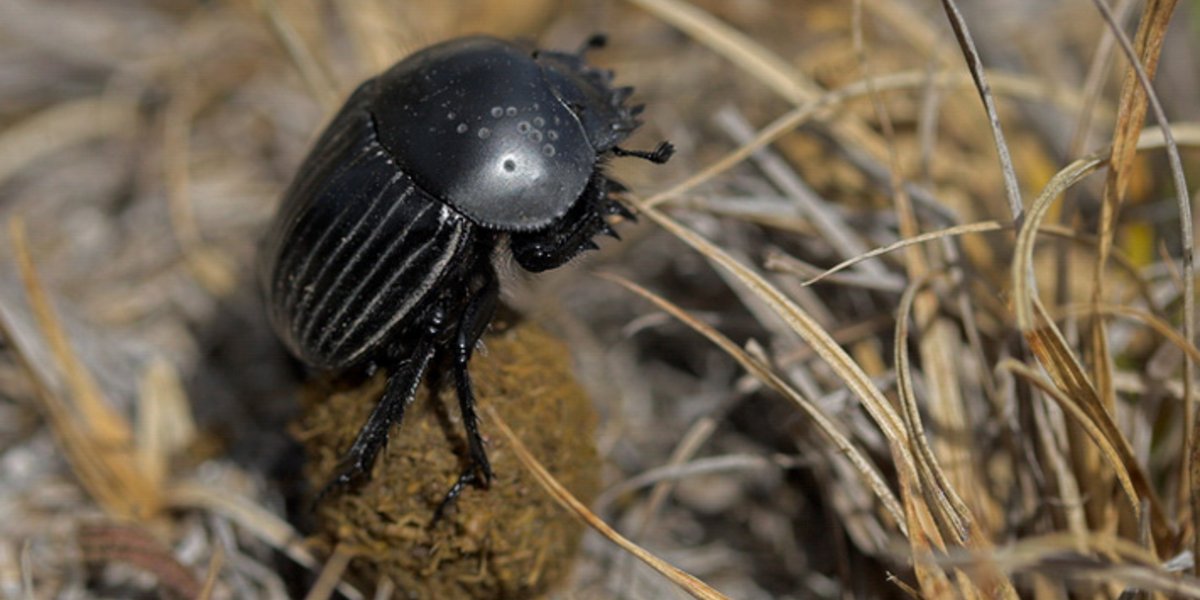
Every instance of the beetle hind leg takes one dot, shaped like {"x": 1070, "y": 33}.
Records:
{"x": 475, "y": 318}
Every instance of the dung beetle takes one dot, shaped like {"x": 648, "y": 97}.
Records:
{"x": 382, "y": 252}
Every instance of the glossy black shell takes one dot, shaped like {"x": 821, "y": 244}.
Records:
{"x": 478, "y": 125}
{"x": 416, "y": 178}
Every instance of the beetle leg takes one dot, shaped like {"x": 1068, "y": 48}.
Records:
{"x": 355, "y": 465}
{"x": 614, "y": 207}
{"x": 552, "y": 247}
{"x": 475, "y": 319}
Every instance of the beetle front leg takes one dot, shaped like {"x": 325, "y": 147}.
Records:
{"x": 475, "y": 319}
{"x": 549, "y": 248}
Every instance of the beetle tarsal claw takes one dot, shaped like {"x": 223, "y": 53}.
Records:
{"x": 347, "y": 476}
{"x": 479, "y": 476}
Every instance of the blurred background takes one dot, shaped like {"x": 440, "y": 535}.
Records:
{"x": 904, "y": 426}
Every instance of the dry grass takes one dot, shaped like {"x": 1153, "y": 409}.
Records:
{"x": 883, "y": 329}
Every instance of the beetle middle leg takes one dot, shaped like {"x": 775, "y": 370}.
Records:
{"x": 474, "y": 321}
{"x": 355, "y": 466}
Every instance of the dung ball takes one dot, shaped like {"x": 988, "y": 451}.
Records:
{"x": 510, "y": 541}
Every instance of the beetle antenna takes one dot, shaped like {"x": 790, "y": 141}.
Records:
{"x": 658, "y": 156}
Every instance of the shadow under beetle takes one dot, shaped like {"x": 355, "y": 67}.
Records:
{"x": 381, "y": 253}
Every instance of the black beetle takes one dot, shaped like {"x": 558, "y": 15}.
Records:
{"x": 382, "y": 251}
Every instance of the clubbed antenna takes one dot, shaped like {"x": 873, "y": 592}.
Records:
{"x": 594, "y": 42}
{"x": 658, "y": 156}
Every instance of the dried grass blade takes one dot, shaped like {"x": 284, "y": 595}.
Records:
{"x": 61, "y": 126}
{"x": 1072, "y": 407}
{"x": 734, "y": 45}
{"x": 856, "y": 379}
{"x": 1054, "y": 355}
{"x": 213, "y": 574}
{"x": 904, "y": 80}
{"x": 828, "y": 223}
{"x": 1156, "y": 323}
{"x": 95, "y": 438}
{"x": 936, "y": 346}
{"x": 1049, "y": 430}
{"x": 957, "y": 230}
{"x": 957, "y": 517}
{"x": 331, "y": 574}
{"x": 256, "y": 519}
{"x": 81, "y": 451}
{"x": 924, "y": 539}
{"x": 1023, "y": 284}
{"x": 1131, "y": 113}
{"x": 773, "y": 131}
{"x": 1156, "y": 17}
{"x": 691, "y": 443}
{"x": 209, "y": 264}
{"x": 315, "y": 76}
{"x": 764, "y": 374}
{"x": 1110, "y": 559}
{"x": 1024, "y": 287}
{"x": 686, "y": 581}
{"x": 1051, "y": 349}
{"x": 164, "y": 420}
{"x": 1012, "y": 187}
{"x": 102, "y": 421}
{"x": 909, "y": 23}
{"x": 676, "y": 470}
{"x": 1123, "y": 260}
{"x": 761, "y": 63}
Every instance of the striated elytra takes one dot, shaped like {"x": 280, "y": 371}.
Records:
{"x": 382, "y": 251}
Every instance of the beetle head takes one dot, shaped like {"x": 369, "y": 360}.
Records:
{"x": 588, "y": 91}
